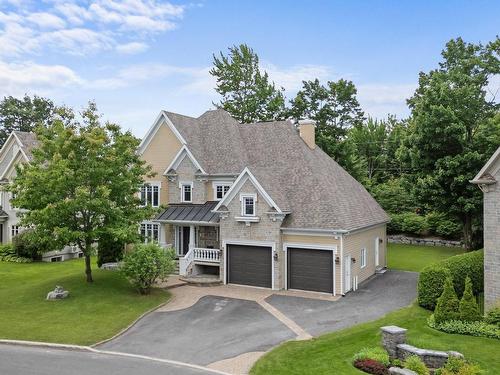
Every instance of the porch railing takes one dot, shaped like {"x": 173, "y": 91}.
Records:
{"x": 206, "y": 255}
{"x": 185, "y": 261}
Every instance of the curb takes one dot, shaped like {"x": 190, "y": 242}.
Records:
{"x": 89, "y": 349}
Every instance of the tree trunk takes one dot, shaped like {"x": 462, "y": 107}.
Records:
{"x": 88, "y": 269}
{"x": 467, "y": 231}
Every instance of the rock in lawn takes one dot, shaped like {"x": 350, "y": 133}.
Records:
{"x": 57, "y": 293}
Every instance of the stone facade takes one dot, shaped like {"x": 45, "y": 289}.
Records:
{"x": 186, "y": 173}
{"x": 265, "y": 230}
{"x": 492, "y": 243}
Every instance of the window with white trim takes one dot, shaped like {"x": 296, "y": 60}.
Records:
{"x": 248, "y": 204}
{"x": 363, "y": 258}
{"x": 220, "y": 190}
{"x": 186, "y": 192}
{"x": 14, "y": 230}
{"x": 150, "y": 232}
{"x": 150, "y": 195}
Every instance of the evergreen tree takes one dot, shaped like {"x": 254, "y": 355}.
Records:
{"x": 447, "y": 304}
{"x": 469, "y": 310}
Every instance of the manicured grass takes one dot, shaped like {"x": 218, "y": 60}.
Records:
{"x": 414, "y": 257}
{"x": 93, "y": 312}
{"x": 332, "y": 353}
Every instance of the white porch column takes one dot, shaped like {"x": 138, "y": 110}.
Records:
{"x": 162, "y": 235}
{"x": 191, "y": 237}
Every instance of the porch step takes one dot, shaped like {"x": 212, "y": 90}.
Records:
{"x": 176, "y": 268}
{"x": 202, "y": 280}
{"x": 380, "y": 270}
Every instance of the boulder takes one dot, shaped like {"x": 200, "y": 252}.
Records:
{"x": 57, "y": 293}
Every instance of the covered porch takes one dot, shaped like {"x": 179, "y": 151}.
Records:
{"x": 193, "y": 231}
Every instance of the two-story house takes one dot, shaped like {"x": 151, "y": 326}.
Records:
{"x": 18, "y": 149}
{"x": 259, "y": 204}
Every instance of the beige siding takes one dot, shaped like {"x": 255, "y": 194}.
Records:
{"x": 320, "y": 241}
{"x": 353, "y": 243}
{"x": 159, "y": 154}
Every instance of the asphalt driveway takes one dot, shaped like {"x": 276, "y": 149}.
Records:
{"x": 218, "y": 328}
{"x": 213, "y": 329}
{"x": 377, "y": 297}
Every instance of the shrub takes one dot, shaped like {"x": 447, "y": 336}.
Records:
{"x": 8, "y": 254}
{"x": 371, "y": 366}
{"x": 414, "y": 363}
{"x": 447, "y": 304}
{"x": 376, "y": 353}
{"x": 26, "y": 245}
{"x": 493, "y": 316}
{"x": 478, "y": 329}
{"x": 109, "y": 250}
{"x": 468, "y": 308}
{"x": 458, "y": 366}
{"x": 441, "y": 225}
{"x": 413, "y": 223}
{"x": 146, "y": 264}
{"x": 432, "y": 277}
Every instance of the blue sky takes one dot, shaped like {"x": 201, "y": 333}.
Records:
{"x": 136, "y": 57}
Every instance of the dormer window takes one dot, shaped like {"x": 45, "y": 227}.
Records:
{"x": 150, "y": 195}
{"x": 248, "y": 204}
{"x": 186, "y": 192}
{"x": 220, "y": 189}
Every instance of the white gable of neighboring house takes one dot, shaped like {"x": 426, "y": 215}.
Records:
{"x": 10, "y": 155}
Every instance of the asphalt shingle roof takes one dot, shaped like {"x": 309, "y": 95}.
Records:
{"x": 29, "y": 142}
{"x": 312, "y": 186}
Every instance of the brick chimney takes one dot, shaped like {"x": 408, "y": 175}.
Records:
{"x": 307, "y": 132}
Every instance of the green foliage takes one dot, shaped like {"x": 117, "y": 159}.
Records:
{"x": 376, "y": 353}
{"x": 81, "y": 184}
{"x": 468, "y": 309}
{"x": 458, "y": 366}
{"x": 146, "y": 264}
{"x": 335, "y": 109}
{"x": 393, "y": 195}
{"x": 451, "y": 130}
{"x": 493, "y": 316}
{"x": 8, "y": 254}
{"x": 447, "y": 304}
{"x": 246, "y": 92}
{"x": 432, "y": 277}
{"x": 414, "y": 363}
{"x": 27, "y": 245}
{"x": 109, "y": 249}
{"x": 412, "y": 223}
{"x": 442, "y": 225}
{"x": 25, "y": 114}
{"x": 477, "y": 328}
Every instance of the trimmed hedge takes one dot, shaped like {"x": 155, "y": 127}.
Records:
{"x": 478, "y": 328}
{"x": 432, "y": 277}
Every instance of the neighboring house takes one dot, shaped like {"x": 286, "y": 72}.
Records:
{"x": 17, "y": 149}
{"x": 259, "y": 204}
{"x": 488, "y": 181}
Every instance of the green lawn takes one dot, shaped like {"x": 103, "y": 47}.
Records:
{"x": 414, "y": 258}
{"x": 332, "y": 353}
{"x": 93, "y": 312}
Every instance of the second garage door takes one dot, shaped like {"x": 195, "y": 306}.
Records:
{"x": 310, "y": 269}
{"x": 249, "y": 265}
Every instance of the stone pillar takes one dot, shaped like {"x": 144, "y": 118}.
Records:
{"x": 392, "y": 336}
{"x": 191, "y": 237}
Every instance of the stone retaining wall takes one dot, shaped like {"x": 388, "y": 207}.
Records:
{"x": 394, "y": 341}
{"x": 399, "y": 238}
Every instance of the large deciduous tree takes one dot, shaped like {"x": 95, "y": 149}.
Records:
{"x": 25, "y": 114}
{"x": 335, "y": 109}
{"x": 81, "y": 185}
{"x": 454, "y": 129}
{"x": 247, "y": 93}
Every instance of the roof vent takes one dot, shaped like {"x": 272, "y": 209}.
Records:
{"x": 307, "y": 132}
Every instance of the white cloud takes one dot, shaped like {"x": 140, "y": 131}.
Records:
{"x": 46, "y": 20}
{"x": 16, "y": 79}
{"x": 73, "y": 13}
{"x": 379, "y": 100}
{"x": 132, "y": 48}
{"x": 291, "y": 78}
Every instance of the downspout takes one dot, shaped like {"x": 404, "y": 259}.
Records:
{"x": 342, "y": 264}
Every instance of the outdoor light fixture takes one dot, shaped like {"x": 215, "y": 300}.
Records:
{"x": 275, "y": 257}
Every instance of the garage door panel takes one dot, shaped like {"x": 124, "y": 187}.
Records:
{"x": 310, "y": 269}
{"x": 249, "y": 265}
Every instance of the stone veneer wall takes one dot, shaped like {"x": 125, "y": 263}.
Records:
{"x": 265, "y": 230}
{"x": 400, "y": 238}
{"x": 186, "y": 172}
{"x": 492, "y": 244}
{"x": 394, "y": 341}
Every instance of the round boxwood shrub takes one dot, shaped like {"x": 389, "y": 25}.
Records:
{"x": 432, "y": 277}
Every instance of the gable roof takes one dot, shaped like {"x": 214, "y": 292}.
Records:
{"x": 25, "y": 143}
{"x": 484, "y": 177}
{"x": 183, "y": 152}
{"x": 308, "y": 183}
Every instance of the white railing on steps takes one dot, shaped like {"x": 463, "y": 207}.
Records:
{"x": 185, "y": 261}
{"x": 206, "y": 255}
